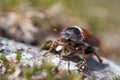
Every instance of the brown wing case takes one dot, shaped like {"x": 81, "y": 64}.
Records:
{"x": 90, "y": 38}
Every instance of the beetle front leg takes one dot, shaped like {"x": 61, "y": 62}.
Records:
{"x": 51, "y": 47}
{"x": 61, "y": 56}
{"x": 63, "y": 52}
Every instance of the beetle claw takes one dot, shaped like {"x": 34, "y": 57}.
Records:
{"x": 46, "y": 53}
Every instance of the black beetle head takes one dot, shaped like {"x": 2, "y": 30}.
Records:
{"x": 72, "y": 33}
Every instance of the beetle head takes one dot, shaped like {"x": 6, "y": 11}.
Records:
{"x": 72, "y": 33}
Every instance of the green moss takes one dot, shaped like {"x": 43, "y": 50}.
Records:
{"x": 116, "y": 78}
{"x": 4, "y": 77}
{"x": 28, "y": 73}
{"x": 9, "y": 4}
{"x": 12, "y": 69}
{"x": 47, "y": 66}
{"x": 75, "y": 76}
{"x": 3, "y": 58}
{"x": 64, "y": 75}
{"x": 18, "y": 57}
{"x": 37, "y": 70}
{"x": 42, "y": 3}
{"x": 46, "y": 45}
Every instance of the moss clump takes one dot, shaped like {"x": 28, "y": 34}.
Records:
{"x": 3, "y": 58}
{"x": 18, "y": 57}
{"x": 45, "y": 71}
{"x": 116, "y": 78}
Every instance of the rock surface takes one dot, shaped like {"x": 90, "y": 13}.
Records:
{"x": 33, "y": 55}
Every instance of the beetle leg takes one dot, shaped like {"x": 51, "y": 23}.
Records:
{"x": 100, "y": 60}
{"x": 81, "y": 64}
{"x": 63, "y": 52}
{"x": 61, "y": 56}
{"x": 84, "y": 58}
{"x": 51, "y": 47}
{"x": 83, "y": 55}
{"x": 68, "y": 54}
{"x": 71, "y": 52}
{"x": 69, "y": 67}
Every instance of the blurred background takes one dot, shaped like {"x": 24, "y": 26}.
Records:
{"x": 32, "y": 21}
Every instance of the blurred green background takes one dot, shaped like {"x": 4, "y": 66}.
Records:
{"x": 31, "y": 21}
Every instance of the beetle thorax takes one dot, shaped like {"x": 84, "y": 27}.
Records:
{"x": 72, "y": 33}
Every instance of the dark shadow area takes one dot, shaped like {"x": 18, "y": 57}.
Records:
{"x": 92, "y": 63}
{"x": 95, "y": 65}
